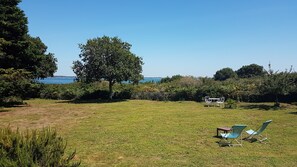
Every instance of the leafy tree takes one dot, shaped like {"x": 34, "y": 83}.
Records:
{"x": 42, "y": 64}
{"x": 242, "y": 89}
{"x": 173, "y": 78}
{"x": 109, "y": 59}
{"x": 277, "y": 83}
{"x": 13, "y": 33}
{"x": 294, "y": 80}
{"x": 19, "y": 50}
{"x": 251, "y": 70}
{"x": 224, "y": 74}
{"x": 14, "y": 84}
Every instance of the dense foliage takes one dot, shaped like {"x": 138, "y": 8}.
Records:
{"x": 177, "y": 88}
{"x": 18, "y": 49}
{"x": 22, "y": 57}
{"x": 15, "y": 85}
{"x": 109, "y": 59}
{"x": 252, "y": 70}
{"x": 34, "y": 148}
{"x": 278, "y": 83}
{"x": 224, "y": 74}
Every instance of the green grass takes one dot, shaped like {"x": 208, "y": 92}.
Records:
{"x": 152, "y": 133}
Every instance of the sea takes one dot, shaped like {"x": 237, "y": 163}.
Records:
{"x": 71, "y": 79}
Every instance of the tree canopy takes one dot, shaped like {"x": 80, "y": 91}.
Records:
{"x": 251, "y": 70}
{"x": 278, "y": 83}
{"x": 18, "y": 49}
{"x": 107, "y": 58}
{"x": 224, "y": 74}
{"x": 173, "y": 78}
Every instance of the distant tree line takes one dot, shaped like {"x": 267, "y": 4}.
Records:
{"x": 270, "y": 86}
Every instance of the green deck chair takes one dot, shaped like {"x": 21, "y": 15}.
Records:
{"x": 257, "y": 135}
{"x": 229, "y": 138}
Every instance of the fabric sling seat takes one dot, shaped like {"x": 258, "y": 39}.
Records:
{"x": 257, "y": 135}
{"x": 233, "y": 136}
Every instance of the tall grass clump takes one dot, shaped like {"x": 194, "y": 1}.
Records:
{"x": 34, "y": 148}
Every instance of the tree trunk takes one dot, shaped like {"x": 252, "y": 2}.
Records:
{"x": 110, "y": 90}
{"x": 277, "y": 104}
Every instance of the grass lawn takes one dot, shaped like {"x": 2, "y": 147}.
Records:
{"x": 152, "y": 133}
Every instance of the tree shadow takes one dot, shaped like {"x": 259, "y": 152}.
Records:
{"x": 98, "y": 101}
{"x": 261, "y": 107}
{"x": 293, "y": 112}
{"x": 13, "y": 106}
{"x": 3, "y": 110}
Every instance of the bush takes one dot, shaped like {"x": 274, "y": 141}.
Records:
{"x": 182, "y": 94}
{"x": 97, "y": 94}
{"x": 179, "y": 88}
{"x": 14, "y": 85}
{"x": 35, "y": 148}
{"x": 11, "y": 101}
{"x": 125, "y": 94}
{"x": 231, "y": 104}
{"x": 68, "y": 94}
{"x": 160, "y": 96}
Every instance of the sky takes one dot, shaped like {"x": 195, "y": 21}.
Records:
{"x": 185, "y": 37}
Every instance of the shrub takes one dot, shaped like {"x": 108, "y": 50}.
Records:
{"x": 68, "y": 94}
{"x": 208, "y": 90}
{"x": 34, "y": 148}
{"x": 14, "y": 84}
{"x": 125, "y": 94}
{"x": 182, "y": 94}
{"x": 231, "y": 104}
{"x": 49, "y": 94}
{"x": 168, "y": 79}
{"x": 98, "y": 94}
{"x": 11, "y": 101}
{"x": 160, "y": 96}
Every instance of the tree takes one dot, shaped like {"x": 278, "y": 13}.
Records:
{"x": 277, "y": 83}
{"x": 173, "y": 78}
{"x": 224, "y": 74}
{"x": 13, "y": 33}
{"x": 14, "y": 85}
{"x": 42, "y": 64}
{"x": 18, "y": 49}
{"x": 251, "y": 70}
{"x": 109, "y": 59}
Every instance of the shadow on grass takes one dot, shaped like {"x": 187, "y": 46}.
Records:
{"x": 222, "y": 144}
{"x": 13, "y": 106}
{"x": 99, "y": 101}
{"x": 261, "y": 107}
{"x": 3, "y": 110}
{"x": 293, "y": 112}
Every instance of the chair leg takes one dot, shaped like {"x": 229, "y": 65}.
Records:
{"x": 224, "y": 141}
{"x": 263, "y": 139}
{"x": 238, "y": 143}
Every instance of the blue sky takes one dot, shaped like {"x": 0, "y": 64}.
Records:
{"x": 186, "y": 37}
